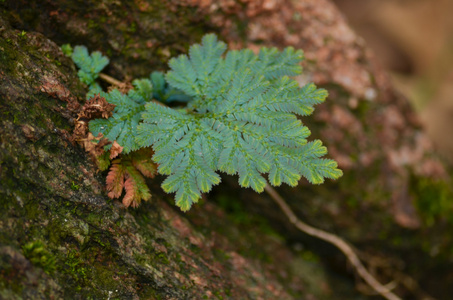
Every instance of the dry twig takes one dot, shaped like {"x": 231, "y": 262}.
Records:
{"x": 110, "y": 79}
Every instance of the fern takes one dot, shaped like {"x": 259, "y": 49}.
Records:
{"x": 127, "y": 173}
{"x": 242, "y": 118}
{"x": 90, "y": 66}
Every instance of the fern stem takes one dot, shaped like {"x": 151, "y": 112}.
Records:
{"x": 334, "y": 240}
{"x": 110, "y": 79}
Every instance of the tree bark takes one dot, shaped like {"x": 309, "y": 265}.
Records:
{"x": 62, "y": 238}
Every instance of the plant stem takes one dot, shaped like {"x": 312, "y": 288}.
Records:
{"x": 110, "y": 79}
{"x": 334, "y": 240}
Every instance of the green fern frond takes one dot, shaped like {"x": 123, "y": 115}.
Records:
{"x": 185, "y": 148}
{"x": 142, "y": 92}
{"x": 242, "y": 120}
{"x": 90, "y": 65}
{"x": 205, "y": 57}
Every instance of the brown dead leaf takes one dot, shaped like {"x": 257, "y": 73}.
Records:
{"x": 80, "y": 130}
{"x": 96, "y": 107}
{"x": 115, "y": 150}
{"x": 115, "y": 180}
{"x": 95, "y": 149}
{"x": 124, "y": 87}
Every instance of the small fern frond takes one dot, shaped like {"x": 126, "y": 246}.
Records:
{"x": 115, "y": 179}
{"x": 315, "y": 170}
{"x": 103, "y": 161}
{"x": 142, "y": 161}
{"x": 184, "y": 76}
{"x": 98, "y": 62}
{"x": 193, "y": 74}
{"x": 127, "y": 173}
{"x": 205, "y": 57}
{"x": 90, "y": 65}
{"x": 142, "y": 91}
{"x": 135, "y": 187}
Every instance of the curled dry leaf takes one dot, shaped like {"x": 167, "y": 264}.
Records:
{"x": 115, "y": 150}
{"x": 80, "y": 130}
{"x": 96, "y": 107}
{"x": 95, "y": 148}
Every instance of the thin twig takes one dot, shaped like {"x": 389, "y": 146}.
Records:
{"x": 110, "y": 79}
{"x": 334, "y": 240}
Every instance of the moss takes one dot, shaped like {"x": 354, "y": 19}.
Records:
{"x": 92, "y": 24}
{"x": 10, "y": 286}
{"x": 76, "y": 268}
{"x": 37, "y": 253}
{"x": 433, "y": 200}
{"x": 162, "y": 257}
{"x": 309, "y": 256}
{"x": 92, "y": 271}
{"x": 221, "y": 255}
{"x": 8, "y": 56}
{"x": 75, "y": 187}
{"x": 218, "y": 294}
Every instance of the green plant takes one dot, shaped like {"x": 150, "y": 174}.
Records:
{"x": 22, "y": 34}
{"x": 90, "y": 66}
{"x": 37, "y": 253}
{"x": 67, "y": 50}
{"x": 240, "y": 118}
{"x": 75, "y": 187}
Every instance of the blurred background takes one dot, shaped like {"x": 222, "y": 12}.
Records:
{"x": 413, "y": 39}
